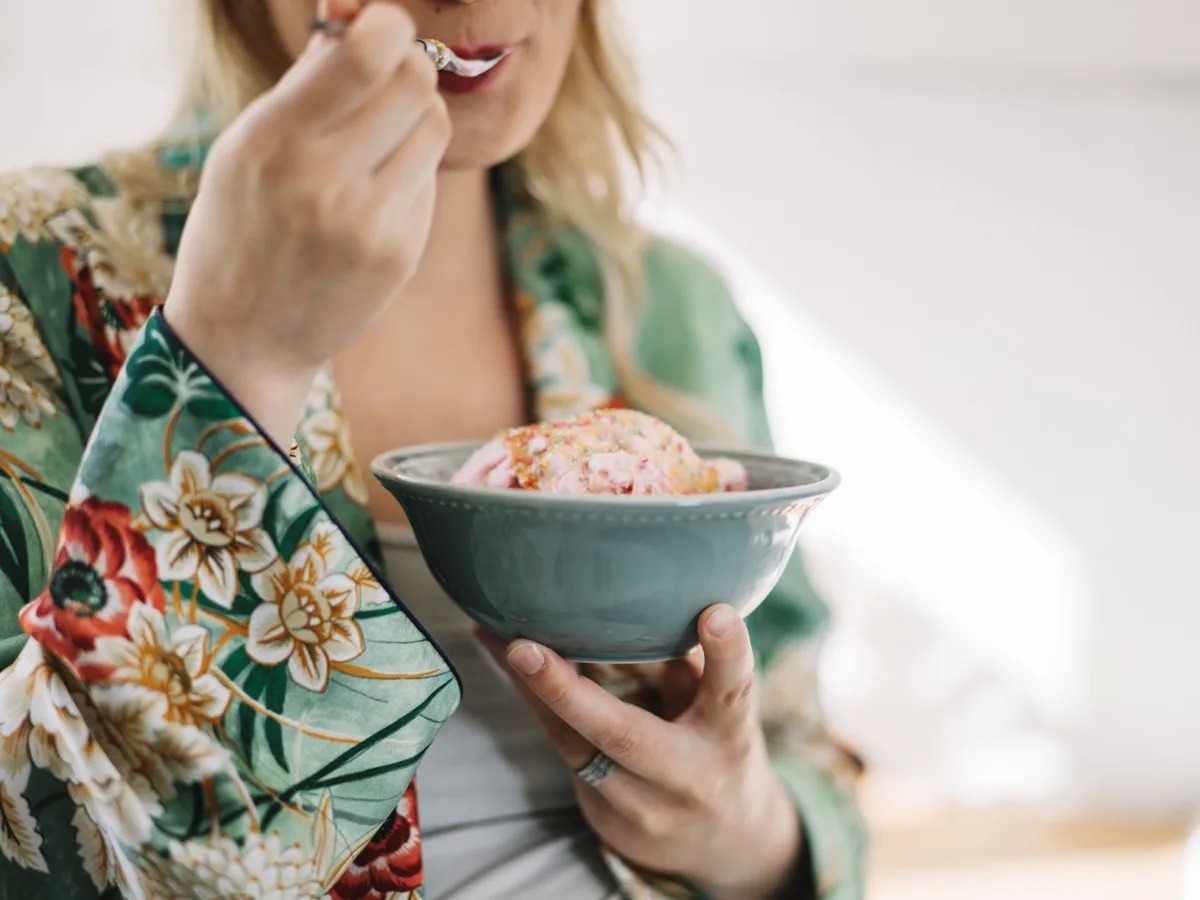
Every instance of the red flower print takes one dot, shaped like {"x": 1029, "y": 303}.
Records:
{"x": 391, "y": 863}
{"x": 102, "y": 569}
{"x": 111, "y": 322}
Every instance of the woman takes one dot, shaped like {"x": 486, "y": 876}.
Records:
{"x": 210, "y": 688}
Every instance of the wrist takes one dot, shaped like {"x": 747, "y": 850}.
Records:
{"x": 272, "y": 394}
{"x": 770, "y": 862}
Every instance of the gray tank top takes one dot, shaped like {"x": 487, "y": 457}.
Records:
{"x": 498, "y": 815}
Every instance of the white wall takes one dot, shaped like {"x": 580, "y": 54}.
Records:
{"x": 966, "y": 231}
{"x": 994, "y": 209}
{"x": 1158, "y": 35}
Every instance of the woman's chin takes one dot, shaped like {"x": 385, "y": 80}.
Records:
{"x": 483, "y": 138}
{"x": 476, "y": 154}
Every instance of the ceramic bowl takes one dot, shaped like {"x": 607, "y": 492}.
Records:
{"x": 602, "y": 578}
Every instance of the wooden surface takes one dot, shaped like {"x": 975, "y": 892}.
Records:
{"x": 1018, "y": 854}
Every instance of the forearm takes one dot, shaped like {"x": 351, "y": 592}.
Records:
{"x": 272, "y": 393}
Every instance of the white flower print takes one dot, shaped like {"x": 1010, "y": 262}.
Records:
{"x": 28, "y": 377}
{"x": 102, "y": 862}
{"x": 558, "y": 365}
{"x": 370, "y": 592}
{"x": 55, "y": 724}
{"x": 123, "y": 251}
{"x": 326, "y": 439}
{"x": 211, "y": 526}
{"x": 29, "y": 199}
{"x": 20, "y": 841}
{"x": 260, "y": 869}
{"x": 306, "y": 618}
{"x": 175, "y": 666}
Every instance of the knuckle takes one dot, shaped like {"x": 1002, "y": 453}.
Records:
{"x": 360, "y": 61}
{"x": 698, "y": 794}
{"x": 555, "y": 692}
{"x": 738, "y": 697}
{"x": 357, "y": 244}
{"x": 392, "y": 21}
{"x": 561, "y": 740}
{"x": 311, "y": 208}
{"x": 379, "y": 220}
{"x": 622, "y": 741}
{"x": 247, "y": 144}
{"x": 423, "y": 73}
{"x": 277, "y": 170}
{"x": 650, "y": 821}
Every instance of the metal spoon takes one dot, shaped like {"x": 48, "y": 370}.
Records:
{"x": 443, "y": 57}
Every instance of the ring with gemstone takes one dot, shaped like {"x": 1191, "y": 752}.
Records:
{"x": 598, "y": 768}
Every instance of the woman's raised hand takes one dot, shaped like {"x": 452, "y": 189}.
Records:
{"x": 313, "y": 212}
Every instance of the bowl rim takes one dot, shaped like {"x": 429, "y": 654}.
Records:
{"x": 383, "y": 468}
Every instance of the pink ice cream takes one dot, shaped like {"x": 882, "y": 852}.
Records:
{"x": 605, "y": 452}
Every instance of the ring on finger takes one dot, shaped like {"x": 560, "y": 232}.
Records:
{"x": 597, "y": 769}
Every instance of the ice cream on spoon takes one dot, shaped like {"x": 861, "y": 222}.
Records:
{"x": 443, "y": 57}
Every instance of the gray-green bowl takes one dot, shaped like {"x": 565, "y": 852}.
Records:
{"x": 602, "y": 578}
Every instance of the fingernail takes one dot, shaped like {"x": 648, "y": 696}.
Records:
{"x": 721, "y": 622}
{"x": 527, "y": 658}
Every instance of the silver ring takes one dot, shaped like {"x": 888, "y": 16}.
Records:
{"x": 598, "y": 768}
{"x": 329, "y": 27}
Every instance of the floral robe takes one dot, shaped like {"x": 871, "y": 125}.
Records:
{"x": 208, "y": 687}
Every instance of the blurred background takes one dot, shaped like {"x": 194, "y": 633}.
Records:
{"x": 967, "y": 233}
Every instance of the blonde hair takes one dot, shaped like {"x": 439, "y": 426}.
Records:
{"x": 577, "y": 168}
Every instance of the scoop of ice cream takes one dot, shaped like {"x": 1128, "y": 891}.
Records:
{"x": 604, "y": 452}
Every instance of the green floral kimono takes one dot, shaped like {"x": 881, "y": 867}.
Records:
{"x": 192, "y": 629}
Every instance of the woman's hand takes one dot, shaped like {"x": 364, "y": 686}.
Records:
{"x": 313, "y": 212}
{"x": 693, "y": 797}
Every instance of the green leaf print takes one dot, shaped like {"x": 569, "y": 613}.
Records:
{"x": 87, "y": 374}
{"x": 295, "y": 534}
{"x": 14, "y": 545}
{"x": 213, "y": 407}
{"x": 235, "y": 664}
{"x": 161, "y": 377}
{"x": 276, "y": 694}
{"x": 255, "y": 687}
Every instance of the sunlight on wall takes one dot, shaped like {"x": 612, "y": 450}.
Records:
{"x": 960, "y": 607}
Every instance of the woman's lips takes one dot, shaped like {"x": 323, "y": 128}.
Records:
{"x": 461, "y": 84}
{"x": 480, "y": 52}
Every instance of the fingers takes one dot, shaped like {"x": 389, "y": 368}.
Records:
{"x": 635, "y": 739}
{"x": 407, "y": 181}
{"x": 680, "y": 680}
{"x": 377, "y": 129}
{"x": 725, "y": 695}
{"x": 338, "y": 77}
{"x": 571, "y": 745}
